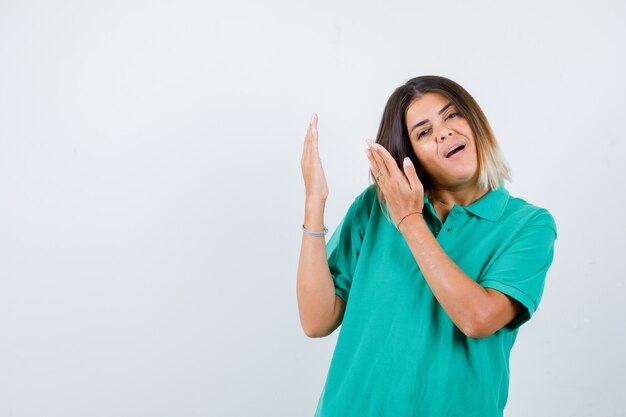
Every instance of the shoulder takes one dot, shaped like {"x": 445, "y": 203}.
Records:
{"x": 525, "y": 214}
{"x": 364, "y": 203}
{"x": 367, "y": 197}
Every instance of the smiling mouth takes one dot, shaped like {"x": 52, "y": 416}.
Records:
{"x": 455, "y": 151}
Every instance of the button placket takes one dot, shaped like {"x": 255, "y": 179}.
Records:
{"x": 451, "y": 222}
{"x": 456, "y": 221}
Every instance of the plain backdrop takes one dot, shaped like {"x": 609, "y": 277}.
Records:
{"x": 151, "y": 197}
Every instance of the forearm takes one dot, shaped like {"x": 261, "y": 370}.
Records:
{"x": 315, "y": 287}
{"x": 464, "y": 300}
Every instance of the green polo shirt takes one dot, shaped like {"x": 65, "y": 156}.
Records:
{"x": 398, "y": 354}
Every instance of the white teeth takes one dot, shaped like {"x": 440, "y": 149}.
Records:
{"x": 457, "y": 146}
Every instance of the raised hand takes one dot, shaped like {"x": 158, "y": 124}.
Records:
{"x": 403, "y": 191}
{"x": 314, "y": 179}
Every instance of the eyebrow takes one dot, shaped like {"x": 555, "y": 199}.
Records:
{"x": 418, "y": 124}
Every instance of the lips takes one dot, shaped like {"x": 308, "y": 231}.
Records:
{"x": 453, "y": 146}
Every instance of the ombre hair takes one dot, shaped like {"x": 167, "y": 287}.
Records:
{"x": 393, "y": 134}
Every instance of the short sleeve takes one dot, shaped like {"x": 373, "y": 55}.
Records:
{"x": 520, "y": 270}
{"x": 344, "y": 246}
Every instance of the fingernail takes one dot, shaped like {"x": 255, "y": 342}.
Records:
{"x": 407, "y": 161}
{"x": 368, "y": 153}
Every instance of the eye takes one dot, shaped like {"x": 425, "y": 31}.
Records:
{"x": 422, "y": 133}
{"x": 450, "y": 116}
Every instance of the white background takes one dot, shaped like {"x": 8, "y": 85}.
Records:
{"x": 151, "y": 196}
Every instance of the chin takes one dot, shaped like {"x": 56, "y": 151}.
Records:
{"x": 461, "y": 178}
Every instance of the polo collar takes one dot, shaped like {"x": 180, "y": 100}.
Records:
{"x": 490, "y": 206}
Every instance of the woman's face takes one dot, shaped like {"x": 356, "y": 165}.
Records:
{"x": 436, "y": 129}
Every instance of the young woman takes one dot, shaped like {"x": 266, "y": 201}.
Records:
{"x": 433, "y": 269}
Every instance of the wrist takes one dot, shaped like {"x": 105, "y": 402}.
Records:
{"x": 314, "y": 215}
{"x": 321, "y": 233}
{"x": 410, "y": 221}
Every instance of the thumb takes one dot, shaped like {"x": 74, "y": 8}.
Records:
{"x": 411, "y": 174}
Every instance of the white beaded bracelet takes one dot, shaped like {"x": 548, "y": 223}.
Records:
{"x": 310, "y": 232}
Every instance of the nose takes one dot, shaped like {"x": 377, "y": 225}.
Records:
{"x": 443, "y": 135}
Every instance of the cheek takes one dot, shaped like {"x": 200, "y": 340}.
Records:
{"x": 474, "y": 156}
{"x": 419, "y": 153}
{"x": 467, "y": 131}
{"x": 425, "y": 158}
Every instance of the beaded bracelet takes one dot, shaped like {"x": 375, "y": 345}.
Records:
{"x": 415, "y": 212}
{"x": 310, "y": 232}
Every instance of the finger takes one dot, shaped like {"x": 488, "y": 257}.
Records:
{"x": 314, "y": 135}
{"x": 387, "y": 160}
{"x": 411, "y": 174}
{"x": 374, "y": 168}
{"x": 370, "y": 157}
{"x": 380, "y": 163}
{"x": 308, "y": 138}
{"x": 375, "y": 171}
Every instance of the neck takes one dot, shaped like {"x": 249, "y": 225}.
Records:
{"x": 448, "y": 197}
